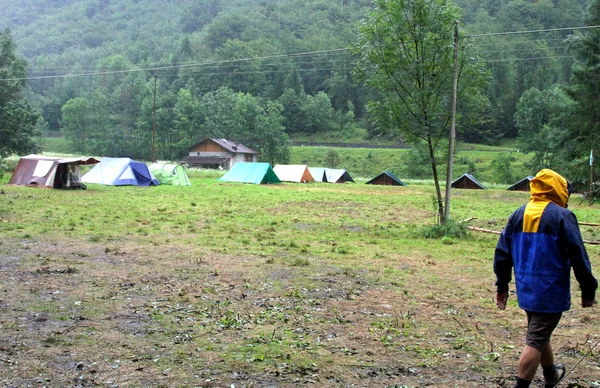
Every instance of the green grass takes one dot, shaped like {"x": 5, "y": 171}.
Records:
{"x": 272, "y": 284}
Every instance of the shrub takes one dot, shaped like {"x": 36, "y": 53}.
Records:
{"x": 450, "y": 229}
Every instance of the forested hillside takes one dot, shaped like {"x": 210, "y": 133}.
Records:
{"x": 253, "y": 69}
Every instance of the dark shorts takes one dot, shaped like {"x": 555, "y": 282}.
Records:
{"x": 540, "y": 327}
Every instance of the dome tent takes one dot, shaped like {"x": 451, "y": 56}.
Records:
{"x": 120, "y": 172}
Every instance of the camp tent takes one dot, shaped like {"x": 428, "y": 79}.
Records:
{"x": 386, "y": 178}
{"x": 251, "y": 172}
{"x": 318, "y": 174}
{"x": 170, "y": 174}
{"x": 467, "y": 181}
{"x": 49, "y": 172}
{"x": 293, "y": 173}
{"x": 120, "y": 172}
{"x": 338, "y": 175}
{"x": 522, "y": 185}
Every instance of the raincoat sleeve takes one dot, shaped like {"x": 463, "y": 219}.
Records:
{"x": 574, "y": 250}
{"x": 503, "y": 261}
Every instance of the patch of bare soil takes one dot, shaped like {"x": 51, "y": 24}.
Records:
{"x": 76, "y": 314}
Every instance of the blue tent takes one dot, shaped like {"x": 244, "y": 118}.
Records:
{"x": 120, "y": 172}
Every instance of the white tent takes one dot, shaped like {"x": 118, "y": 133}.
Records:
{"x": 331, "y": 175}
{"x": 338, "y": 175}
{"x": 293, "y": 173}
{"x": 318, "y": 173}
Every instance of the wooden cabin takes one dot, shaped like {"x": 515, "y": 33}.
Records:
{"x": 218, "y": 154}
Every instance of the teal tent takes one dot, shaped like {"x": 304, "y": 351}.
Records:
{"x": 248, "y": 172}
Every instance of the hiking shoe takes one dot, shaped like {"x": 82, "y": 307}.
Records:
{"x": 559, "y": 373}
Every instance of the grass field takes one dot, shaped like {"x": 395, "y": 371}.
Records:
{"x": 222, "y": 285}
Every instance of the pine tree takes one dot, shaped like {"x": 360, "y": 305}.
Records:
{"x": 585, "y": 83}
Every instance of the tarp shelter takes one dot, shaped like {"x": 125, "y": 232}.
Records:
{"x": 49, "y": 172}
{"x": 522, "y": 185}
{"x": 170, "y": 174}
{"x": 250, "y": 172}
{"x": 338, "y": 176}
{"x": 120, "y": 172}
{"x": 318, "y": 174}
{"x": 386, "y": 178}
{"x": 293, "y": 173}
{"x": 467, "y": 181}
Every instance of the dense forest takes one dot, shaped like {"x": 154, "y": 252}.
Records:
{"x": 259, "y": 69}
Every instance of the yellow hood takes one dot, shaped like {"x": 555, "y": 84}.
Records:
{"x": 548, "y": 185}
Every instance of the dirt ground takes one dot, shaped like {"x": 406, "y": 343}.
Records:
{"x": 81, "y": 314}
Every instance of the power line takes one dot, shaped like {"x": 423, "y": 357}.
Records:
{"x": 514, "y": 42}
{"x": 46, "y": 70}
{"x": 526, "y": 59}
{"x": 530, "y": 31}
{"x": 191, "y": 63}
{"x": 522, "y": 50}
{"x": 171, "y": 66}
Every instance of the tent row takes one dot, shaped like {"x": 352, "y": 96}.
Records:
{"x": 262, "y": 173}
{"x": 65, "y": 173}
{"x": 468, "y": 181}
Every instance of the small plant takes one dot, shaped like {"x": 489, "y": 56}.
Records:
{"x": 3, "y": 168}
{"x": 448, "y": 231}
{"x": 301, "y": 262}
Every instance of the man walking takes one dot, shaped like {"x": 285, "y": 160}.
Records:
{"x": 542, "y": 242}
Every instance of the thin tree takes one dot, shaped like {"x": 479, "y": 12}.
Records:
{"x": 405, "y": 50}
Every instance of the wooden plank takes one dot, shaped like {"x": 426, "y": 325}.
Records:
{"x": 496, "y": 232}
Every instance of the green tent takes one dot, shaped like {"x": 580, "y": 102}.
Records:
{"x": 248, "y": 172}
{"x": 170, "y": 174}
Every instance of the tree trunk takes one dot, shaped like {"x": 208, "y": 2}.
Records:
{"x": 436, "y": 179}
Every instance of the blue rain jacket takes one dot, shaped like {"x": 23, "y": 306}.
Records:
{"x": 542, "y": 242}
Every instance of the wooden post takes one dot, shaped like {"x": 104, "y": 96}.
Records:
{"x": 154, "y": 122}
{"x": 591, "y": 177}
{"x": 452, "y": 128}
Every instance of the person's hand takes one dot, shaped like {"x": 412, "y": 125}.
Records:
{"x": 587, "y": 302}
{"x": 501, "y": 298}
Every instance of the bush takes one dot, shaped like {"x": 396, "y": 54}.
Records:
{"x": 450, "y": 229}
{"x": 4, "y": 167}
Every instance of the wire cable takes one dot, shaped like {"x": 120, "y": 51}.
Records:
{"x": 530, "y": 31}
{"x": 171, "y": 66}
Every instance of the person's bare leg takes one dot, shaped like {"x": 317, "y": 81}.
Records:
{"x": 547, "y": 356}
{"x": 528, "y": 363}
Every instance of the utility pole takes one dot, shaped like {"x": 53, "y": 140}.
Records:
{"x": 154, "y": 122}
{"x": 452, "y": 127}
{"x": 591, "y": 176}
